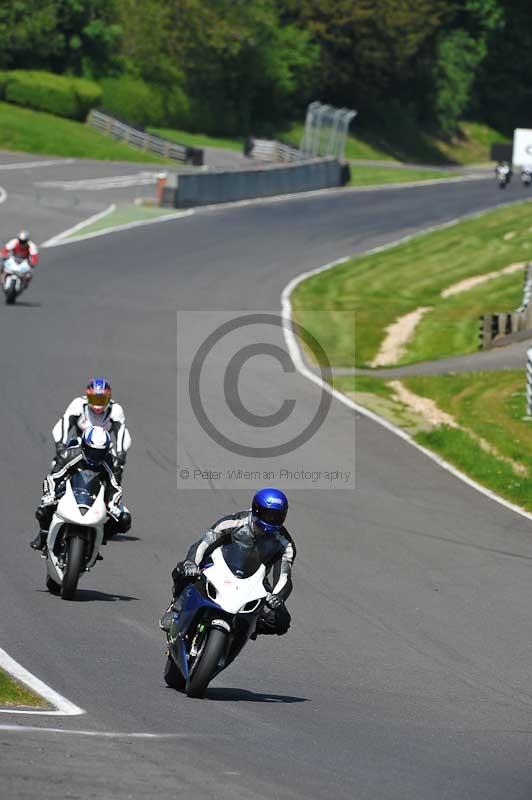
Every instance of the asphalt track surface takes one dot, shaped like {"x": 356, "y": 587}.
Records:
{"x": 406, "y": 673}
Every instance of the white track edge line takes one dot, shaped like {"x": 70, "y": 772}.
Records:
{"x": 58, "y": 238}
{"x": 295, "y": 355}
{"x": 100, "y": 734}
{"x": 33, "y": 164}
{"x": 63, "y": 706}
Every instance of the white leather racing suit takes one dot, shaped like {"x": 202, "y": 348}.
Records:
{"x": 79, "y": 417}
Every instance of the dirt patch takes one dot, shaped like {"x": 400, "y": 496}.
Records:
{"x": 424, "y": 406}
{"x": 434, "y": 416}
{"x": 397, "y": 336}
{"x": 470, "y": 283}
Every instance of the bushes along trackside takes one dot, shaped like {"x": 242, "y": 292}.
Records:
{"x": 57, "y": 94}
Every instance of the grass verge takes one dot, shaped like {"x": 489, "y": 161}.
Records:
{"x": 38, "y": 132}
{"x": 197, "y": 139}
{"x": 13, "y": 693}
{"x": 471, "y": 145}
{"x": 122, "y": 215}
{"x": 381, "y": 287}
{"x": 492, "y": 442}
{"x": 375, "y": 176}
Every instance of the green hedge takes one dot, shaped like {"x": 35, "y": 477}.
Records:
{"x": 57, "y": 94}
{"x": 141, "y": 103}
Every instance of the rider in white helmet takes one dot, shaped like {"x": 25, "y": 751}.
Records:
{"x": 94, "y": 453}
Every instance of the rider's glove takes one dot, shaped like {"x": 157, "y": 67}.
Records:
{"x": 114, "y": 512}
{"x": 189, "y": 569}
{"x": 47, "y": 500}
{"x": 274, "y": 602}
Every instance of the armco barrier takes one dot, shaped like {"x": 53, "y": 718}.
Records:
{"x": 225, "y": 187}
{"x": 144, "y": 141}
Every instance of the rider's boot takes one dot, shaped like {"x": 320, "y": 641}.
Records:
{"x": 39, "y": 543}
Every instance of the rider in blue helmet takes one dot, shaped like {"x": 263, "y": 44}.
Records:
{"x": 263, "y": 526}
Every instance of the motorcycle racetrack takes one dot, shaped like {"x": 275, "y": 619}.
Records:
{"x": 407, "y": 670}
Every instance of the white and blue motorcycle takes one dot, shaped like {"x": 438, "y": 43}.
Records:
{"x": 214, "y": 617}
{"x": 76, "y": 533}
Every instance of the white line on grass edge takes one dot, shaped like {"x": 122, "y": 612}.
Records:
{"x": 61, "y": 238}
{"x": 63, "y": 707}
{"x": 295, "y": 355}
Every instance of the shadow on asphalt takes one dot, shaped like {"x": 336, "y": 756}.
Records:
{"x": 92, "y": 595}
{"x": 252, "y": 697}
{"x": 25, "y": 304}
{"x": 125, "y": 537}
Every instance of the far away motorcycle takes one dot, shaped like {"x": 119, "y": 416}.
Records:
{"x": 214, "y": 617}
{"x": 16, "y": 274}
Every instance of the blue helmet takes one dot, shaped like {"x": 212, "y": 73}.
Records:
{"x": 268, "y": 510}
{"x": 95, "y": 444}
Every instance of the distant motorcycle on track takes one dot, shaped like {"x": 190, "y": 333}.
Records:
{"x": 214, "y": 618}
{"x": 526, "y": 177}
{"x": 16, "y": 275}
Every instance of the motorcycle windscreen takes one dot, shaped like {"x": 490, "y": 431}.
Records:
{"x": 85, "y": 486}
{"x": 242, "y": 558}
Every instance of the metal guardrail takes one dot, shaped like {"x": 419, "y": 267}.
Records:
{"x": 495, "y": 326}
{"x": 145, "y": 141}
{"x": 272, "y": 151}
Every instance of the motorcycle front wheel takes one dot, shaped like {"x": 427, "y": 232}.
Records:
{"x": 74, "y": 564}
{"x": 207, "y": 663}
{"x": 11, "y": 295}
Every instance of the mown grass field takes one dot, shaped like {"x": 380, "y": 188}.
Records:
{"x": 13, "y": 693}
{"x": 38, "y": 132}
{"x": 381, "y": 287}
{"x": 490, "y": 405}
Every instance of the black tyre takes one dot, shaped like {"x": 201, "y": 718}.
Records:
{"x": 11, "y": 295}
{"x": 52, "y": 586}
{"x": 207, "y": 663}
{"x": 172, "y": 676}
{"x": 74, "y": 564}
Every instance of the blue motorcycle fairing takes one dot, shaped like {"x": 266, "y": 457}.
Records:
{"x": 193, "y": 601}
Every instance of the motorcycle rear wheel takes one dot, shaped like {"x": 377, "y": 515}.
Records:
{"x": 207, "y": 663}
{"x": 74, "y": 564}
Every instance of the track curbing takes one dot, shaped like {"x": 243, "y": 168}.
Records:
{"x": 61, "y": 706}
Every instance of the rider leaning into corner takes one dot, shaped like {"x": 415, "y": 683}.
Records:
{"x": 262, "y": 526}
{"x": 93, "y": 453}
{"x": 22, "y": 247}
{"x": 96, "y": 408}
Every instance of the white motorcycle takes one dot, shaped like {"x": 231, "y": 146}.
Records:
{"x": 214, "y": 617}
{"x": 76, "y": 533}
{"x": 15, "y": 274}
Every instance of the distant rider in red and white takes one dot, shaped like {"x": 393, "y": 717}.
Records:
{"x": 22, "y": 247}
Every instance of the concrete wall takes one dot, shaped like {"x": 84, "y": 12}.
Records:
{"x": 224, "y": 187}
